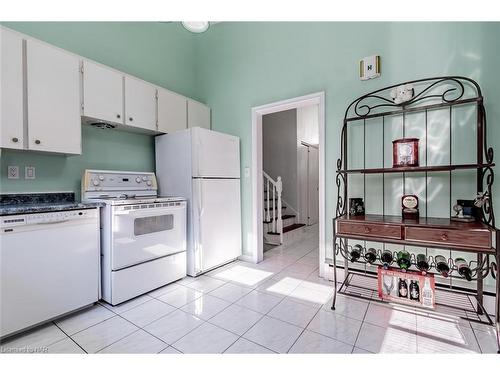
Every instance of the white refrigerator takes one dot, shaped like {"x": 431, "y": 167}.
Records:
{"x": 203, "y": 166}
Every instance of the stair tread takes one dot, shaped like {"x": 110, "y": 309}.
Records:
{"x": 289, "y": 228}
{"x": 283, "y": 217}
{"x": 276, "y": 207}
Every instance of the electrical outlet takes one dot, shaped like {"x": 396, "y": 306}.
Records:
{"x": 13, "y": 172}
{"x": 29, "y": 172}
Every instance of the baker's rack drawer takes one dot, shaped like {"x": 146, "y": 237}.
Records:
{"x": 369, "y": 230}
{"x": 476, "y": 239}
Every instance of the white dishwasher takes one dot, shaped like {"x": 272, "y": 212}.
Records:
{"x": 49, "y": 266}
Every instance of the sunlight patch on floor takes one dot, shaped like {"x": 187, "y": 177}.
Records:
{"x": 244, "y": 275}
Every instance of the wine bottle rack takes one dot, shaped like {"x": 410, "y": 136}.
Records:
{"x": 477, "y": 269}
{"x": 481, "y": 238}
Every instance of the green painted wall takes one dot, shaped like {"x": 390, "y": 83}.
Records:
{"x": 242, "y": 65}
{"x": 236, "y": 66}
{"x": 161, "y": 53}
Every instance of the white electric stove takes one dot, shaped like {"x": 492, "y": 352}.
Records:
{"x": 143, "y": 236}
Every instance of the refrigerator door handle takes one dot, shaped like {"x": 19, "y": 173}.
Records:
{"x": 199, "y": 250}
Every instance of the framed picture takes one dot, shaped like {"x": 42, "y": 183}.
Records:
{"x": 405, "y": 152}
{"x": 356, "y": 207}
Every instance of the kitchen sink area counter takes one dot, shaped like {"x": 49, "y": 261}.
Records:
{"x": 18, "y": 204}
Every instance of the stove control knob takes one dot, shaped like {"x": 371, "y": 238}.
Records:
{"x": 144, "y": 178}
{"x": 101, "y": 178}
{"x": 137, "y": 179}
{"x": 148, "y": 183}
{"x": 95, "y": 182}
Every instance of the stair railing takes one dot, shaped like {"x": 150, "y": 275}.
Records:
{"x": 272, "y": 211}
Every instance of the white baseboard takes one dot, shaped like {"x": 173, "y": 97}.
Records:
{"x": 246, "y": 258}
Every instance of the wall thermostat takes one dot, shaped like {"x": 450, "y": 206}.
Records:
{"x": 369, "y": 67}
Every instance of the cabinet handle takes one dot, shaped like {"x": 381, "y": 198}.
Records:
{"x": 118, "y": 116}
{"x": 37, "y": 141}
{"x": 130, "y": 119}
{"x": 444, "y": 237}
{"x": 15, "y": 139}
{"x": 367, "y": 230}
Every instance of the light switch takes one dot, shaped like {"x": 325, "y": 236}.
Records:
{"x": 29, "y": 172}
{"x": 13, "y": 172}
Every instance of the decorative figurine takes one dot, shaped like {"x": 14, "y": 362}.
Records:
{"x": 409, "y": 205}
{"x": 405, "y": 152}
{"x": 403, "y": 93}
{"x": 460, "y": 216}
{"x": 356, "y": 207}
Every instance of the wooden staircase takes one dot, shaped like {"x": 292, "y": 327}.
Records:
{"x": 279, "y": 226}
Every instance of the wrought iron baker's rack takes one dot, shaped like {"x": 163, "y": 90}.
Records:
{"x": 429, "y": 94}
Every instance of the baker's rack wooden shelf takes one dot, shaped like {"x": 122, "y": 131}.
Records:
{"x": 480, "y": 237}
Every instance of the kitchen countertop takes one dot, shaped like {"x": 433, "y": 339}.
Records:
{"x": 18, "y": 204}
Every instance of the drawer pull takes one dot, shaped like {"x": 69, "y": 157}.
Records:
{"x": 367, "y": 230}
{"x": 15, "y": 139}
{"x": 444, "y": 237}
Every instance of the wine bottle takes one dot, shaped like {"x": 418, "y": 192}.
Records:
{"x": 387, "y": 258}
{"x": 442, "y": 265}
{"x": 403, "y": 288}
{"x": 427, "y": 293}
{"x": 422, "y": 263}
{"x": 355, "y": 252}
{"x": 463, "y": 268}
{"x": 414, "y": 291}
{"x": 403, "y": 260}
{"x": 371, "y": 255}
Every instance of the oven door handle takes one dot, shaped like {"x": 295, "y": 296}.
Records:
{"x": 150, "y": 212}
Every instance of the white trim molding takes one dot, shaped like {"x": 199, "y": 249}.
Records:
{"x": 257, "y": 169}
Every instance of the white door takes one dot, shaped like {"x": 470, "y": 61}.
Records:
{"x": 217, "y": 222}
{"x": 313, "y": 186}
{"x": 215, "y": 154}
{"x": 198, "y": 114}
{"x": 172, "y": 111}
{"x": 140, "y": 104}
{"x": 53, "y": 99}
{"x": 102, "y": 93}
{"x": 11, "y": 86}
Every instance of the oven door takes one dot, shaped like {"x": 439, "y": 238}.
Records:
{"x": 146, "y": 232}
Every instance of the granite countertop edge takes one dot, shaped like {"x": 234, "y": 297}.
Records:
{"x": 18, "y": 209}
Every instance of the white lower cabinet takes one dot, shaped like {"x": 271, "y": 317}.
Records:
{"x": 172, "y": 111}
{"x": 198, "y": 115}
{"x": 11, "y": 85}
{"x": 53, "y": 99}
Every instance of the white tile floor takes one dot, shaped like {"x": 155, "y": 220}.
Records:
{"x": 278, "y": 306}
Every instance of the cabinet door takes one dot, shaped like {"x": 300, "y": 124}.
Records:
{"x": 172, "y": 111}
{"x": 140, "y": 104}
{"x": 198, "y": 115}
{"x": 53, "y": 99}
{"x": 102, "y": 93}
{"x": 11, "y": 85}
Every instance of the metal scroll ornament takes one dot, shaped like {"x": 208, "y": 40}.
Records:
{"x": 446, "y": 89}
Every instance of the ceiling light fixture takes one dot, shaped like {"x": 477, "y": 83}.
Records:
{"x": 196, "y": 26}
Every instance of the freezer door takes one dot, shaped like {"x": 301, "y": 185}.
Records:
{"x": 217, "y": 222}
{"x": 215, "y": 154}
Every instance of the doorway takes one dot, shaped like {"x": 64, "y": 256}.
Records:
{"x": 307, "y": 203}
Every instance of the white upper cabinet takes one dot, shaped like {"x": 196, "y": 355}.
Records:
{"x": 102, "y": 93}
{"x": 198, "y": 115}
{"x": 140, "y": 104}
{"x": 172, "y": 111}
{"x": 53, "y": 99}
{"x": 11, "y": 85}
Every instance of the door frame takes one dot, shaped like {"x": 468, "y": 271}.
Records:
{"x": 256, "y": 238}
